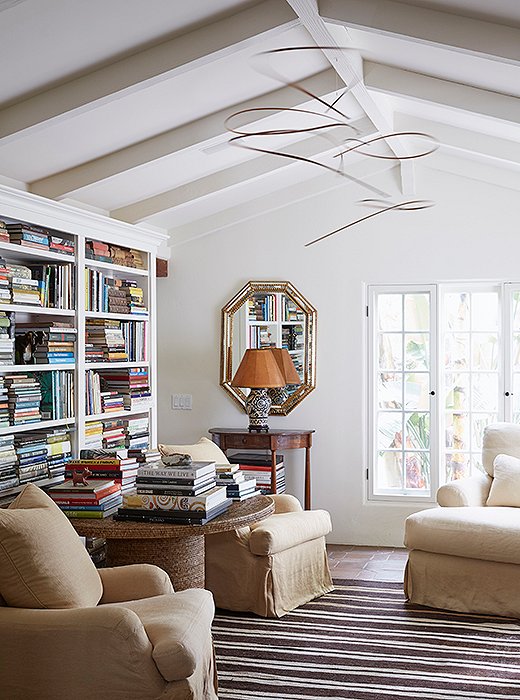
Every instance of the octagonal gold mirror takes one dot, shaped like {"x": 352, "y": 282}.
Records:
{"x": 270, "y": 315}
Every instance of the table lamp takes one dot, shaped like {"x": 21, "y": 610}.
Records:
{"x": 291, "y": 376}
{"x": 258, "y": 371}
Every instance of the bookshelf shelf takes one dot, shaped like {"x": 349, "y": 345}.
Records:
{"x": 39, "y": 482}
{"x": 40, "y": 425}
{"x": 9, "y": 369}
{"x": 117, "y": 317}
{"x": 33, "y": 309}
{"x": 117, "y": 414}
{"x": 64, "y": 387}
{"x": 33, "y": 255}
{"x": 110, "y": 365}
{"x": 110, "y": 267}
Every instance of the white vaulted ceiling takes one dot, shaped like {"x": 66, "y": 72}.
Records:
{"x": 120, "y": 105}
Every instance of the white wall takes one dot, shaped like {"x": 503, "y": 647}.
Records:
{"x": 471, "y": 233}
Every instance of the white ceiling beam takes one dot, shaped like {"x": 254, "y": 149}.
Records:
{"x": 223, "y": 179}
{"x": 395, "y": 81}
{"x": 496, "y": 41}
{"x": 498, "y": 151}
{"x": 183, "y": 137}
{"x": 145, "y": 68}
{"x": 306, "y": 10}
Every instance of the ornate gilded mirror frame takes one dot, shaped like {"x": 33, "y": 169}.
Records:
{"x": 235, "y": 338}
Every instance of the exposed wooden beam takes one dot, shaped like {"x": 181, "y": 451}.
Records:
{"x": 306, "y": 10}
{"x": 224, "y": 179}
{"x": 496, "y": 41}
{"x": 146, "y": 68}
{"x": 186, "y": 136}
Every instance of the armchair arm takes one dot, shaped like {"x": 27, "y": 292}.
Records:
{"x": 72, "y": 653}
{"x": 286, "y": 504}
{"x": 132, "y": 582}
{"x": 280, "y": 532}
{"x": 472, "y": 491}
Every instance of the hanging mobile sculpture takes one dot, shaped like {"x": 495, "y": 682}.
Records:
{"x": 327, "y": 126}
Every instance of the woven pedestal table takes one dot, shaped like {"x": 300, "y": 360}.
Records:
{"x": 178, "y": 549}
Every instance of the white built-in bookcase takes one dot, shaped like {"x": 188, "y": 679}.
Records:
{"x": 17, "y": 205}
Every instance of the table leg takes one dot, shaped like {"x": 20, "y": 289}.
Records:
{"x": 181, "y": 557}
{"x": 273, "y": 471}
{"x": 307, "y": 478}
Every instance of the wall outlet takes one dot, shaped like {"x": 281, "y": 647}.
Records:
{"x": 181, "y": 402}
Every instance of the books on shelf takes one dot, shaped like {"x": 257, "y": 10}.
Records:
{"x": 104, "y": 341}
{"x": 7, "y": 338}
{"x": 32, "y": 236}
{"x": 55, "y": 284}
{"x": 24, "y": 396}
{"x": 108, "y": 294}
{"x": 132, "y": 383}
{"x": 8, "y": 463}
{"x": 262, "y": 307}
{"x": 117, "y": 255}
{"x": 31, "y": 450}
{"x": 94, "y": 434}
{"x": 57, "y": 389}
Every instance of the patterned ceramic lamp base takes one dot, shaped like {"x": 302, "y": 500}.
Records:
{"x": 258, "y": 404}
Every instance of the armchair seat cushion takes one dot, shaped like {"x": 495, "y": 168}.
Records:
{"x": 489, "y": 533}
{"x": 280, "y": 532}
{"x": 177, "y": 627}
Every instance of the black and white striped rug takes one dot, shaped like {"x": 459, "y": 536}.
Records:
{"x": 363, "y": 642}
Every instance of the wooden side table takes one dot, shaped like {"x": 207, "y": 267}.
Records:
{"x": 178, "y": 549}
{"x": 274, "y": 440}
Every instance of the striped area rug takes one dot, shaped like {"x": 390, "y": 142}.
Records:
{"x": 363, "y": 642}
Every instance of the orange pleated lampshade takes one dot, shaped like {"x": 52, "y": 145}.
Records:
{"x": 286, "y": 365}
{"x": 258, "y": 370}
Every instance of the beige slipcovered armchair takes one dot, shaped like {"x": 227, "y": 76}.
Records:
{"x": 465, "y": 555}
{"x": 68, "y": 630}
{"x": 272, "y": 566}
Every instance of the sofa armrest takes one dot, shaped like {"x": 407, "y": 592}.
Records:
{"x": 472, "y": 491}
{"x": 75, "y": 652}
{"x": 284, "y": 503}
{"x": 279, "y": 532}
{"x": 132, "y": 582}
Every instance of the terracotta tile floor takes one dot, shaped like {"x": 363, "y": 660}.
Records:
{"x": 368, "y": 563}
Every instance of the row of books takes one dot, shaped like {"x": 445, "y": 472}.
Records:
{"x": 30, "y": 236}
{"x": 293, "y": 337}
{"x": 112, "y": 295}
{"x": 32, "y": 456}
{"x": 117, "y": 389}
{"x": 290, "y": 310}
{"x": 118, "y": 433}
{"x": 262, "y": 307}
{"x": 45, "y": 342}
{"x": 48, "y": 285}
{"x": 7, "y": 338}
{"x": 117, "y": 255}
{"x": 261, "y": 337}
{"x": 108, "y": 340}
{"x": 26, "y": 399}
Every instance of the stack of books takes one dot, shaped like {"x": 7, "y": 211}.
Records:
{"x": 117, "y": 299}
{"x": 132, "y": 383}
{"x": 111, "y": 402}
{"x": 4, "y": 404}
{"x": 98, "y": 499}
{"x": 8, "y": 463}
{"x": 95, "y": 250}
{"x": 105, "y": 341}
{"x": 57, "y": 389}
{"x": 56, "y": 341}
{"x": 24, "y": 290}
{"x": 107, "y": 464}
{"x": 31, "y": 450}
{"x": 183, "y": 495}
{"x": 5, "y": 284}
{"x": 28, "y": 235}
{"x": 4, "y": 233}
{"x": 238, "y": 486}
{"x": 137, "y": 433}
{"x": 6, "y": 338}
{"x": 94, "y": 435}
{"x": 259, "y": 466}
{"x": 62, "y": 244}
{"x": 135, "y": 296}
{"x": 59, "y": 451}
{"x": 24, "y": 396}
{"x": 114, "y": 435}
{"x": 145, "y": 456}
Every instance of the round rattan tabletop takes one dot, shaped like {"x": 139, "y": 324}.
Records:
{"x": 178, "y": 549}
{"x": 238, "y": 515}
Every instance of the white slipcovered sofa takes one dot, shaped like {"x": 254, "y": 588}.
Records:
{"x": 465, "y": 555}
